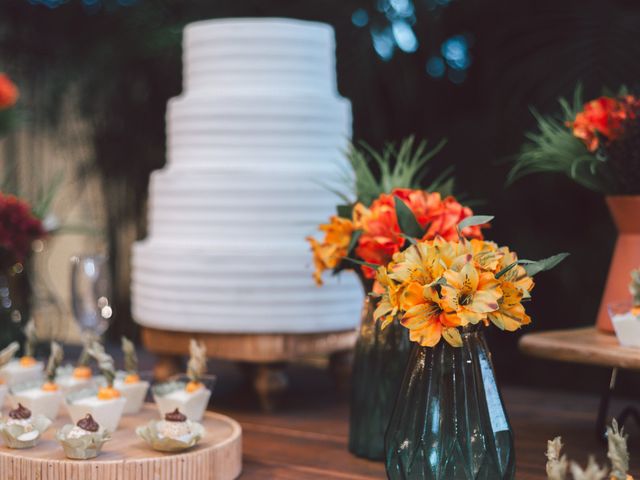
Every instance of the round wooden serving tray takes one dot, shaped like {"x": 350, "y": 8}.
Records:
{"x": 218, "y": 456}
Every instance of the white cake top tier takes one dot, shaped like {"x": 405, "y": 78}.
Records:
{"x": 255, "y": 55}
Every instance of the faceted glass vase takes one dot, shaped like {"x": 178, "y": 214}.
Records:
{"x": 379, "y": 363}
{"x": 449, "y": 422}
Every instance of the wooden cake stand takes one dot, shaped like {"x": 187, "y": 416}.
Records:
{"x": 264, "y": 355}
{"x": 218, "y": 456}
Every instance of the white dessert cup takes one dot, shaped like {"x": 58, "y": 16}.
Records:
{"x": 13, "y": 373}
{"x": 133, "y": 393}
{"x": 69, "y": 384}
{"x": 39, "y": 401}
{"x": 105, "y": 412}
{"x": 171, "y": 395}
{"x": 3, "y": 393}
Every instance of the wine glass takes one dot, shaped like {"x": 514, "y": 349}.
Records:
{"x": 91, "y": 293}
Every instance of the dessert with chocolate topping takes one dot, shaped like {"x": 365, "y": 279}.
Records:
{"x": 20, "y": 413}
{"x": 84, "y": 439}
{"x": 174, "y": 425}
{"x": 85, "y": 426}
{"x": 175, "y": 416}
{"x": 173, "y": 434}
{"x": 22, "y": 429}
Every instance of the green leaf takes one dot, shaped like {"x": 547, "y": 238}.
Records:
{"x": 407, "y": 220}
{"x": 344, "y": 211}
{"x": 411, "y": 240}
{"x": 363, "y": 263}
{"x": 506, "y": 269}
{"x": 354, "y": 241}
{"x": 533, "y": 268}
{"x": 473, "y": 221}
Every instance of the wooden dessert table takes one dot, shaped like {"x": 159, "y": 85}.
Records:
{"x": 588, "y": 346}
{"x": 263, "y": 356}
{"x": 218, "y": 456}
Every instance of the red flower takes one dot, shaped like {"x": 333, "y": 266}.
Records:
{"x": 381, "y": 236}
{"x": 8, "y": 92}
{"x": 605, "y": 117}
{"x": 19, "y": 227}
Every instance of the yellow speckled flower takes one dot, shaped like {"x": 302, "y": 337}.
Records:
{"x": 470, "y": 294}
{"x": 330, "y": 252}
{"x": 435, "y": 287}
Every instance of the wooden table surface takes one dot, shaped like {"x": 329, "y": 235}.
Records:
{"x": 307, "y": 438}
{"x": 585, "y": 345}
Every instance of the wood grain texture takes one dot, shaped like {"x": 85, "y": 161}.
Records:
{"x": 256, "y": 348}
{"x": 581, "y": 345}
{"x": 126, "y": 457}
{"x": 308, "y": 440}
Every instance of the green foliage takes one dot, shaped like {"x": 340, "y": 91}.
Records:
{"x": 407, "y": 220}
{"x": 474, "y": 221}
{"x": 402, "y": 167}
{"x": 533, "y": 268}
{"x": 554, "y": 148}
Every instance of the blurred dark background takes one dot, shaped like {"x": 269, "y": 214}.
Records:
{"x": 467, "y": 70}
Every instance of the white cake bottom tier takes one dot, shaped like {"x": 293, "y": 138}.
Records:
{"x": 229, "y": 205}
{"x": 267, "y": 121}
{"x": 259, "y": 52}
{"x": 194, "y": 289}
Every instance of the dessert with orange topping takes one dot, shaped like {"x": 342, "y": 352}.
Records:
{"x": 128, "y": 382}
{"x": 43, "y": 398}
{"x": 192, "y": 396}
{"x": 106, "y": 403}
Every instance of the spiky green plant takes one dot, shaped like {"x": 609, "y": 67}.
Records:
{"x": 404, "y": 166}
{"x": 554, "y": 148}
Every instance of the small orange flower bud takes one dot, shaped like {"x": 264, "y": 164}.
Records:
{"x": 82, "y": 373}
{"x": 193, "y": 386}
{"x": 27, "y": 361}
{"x": 108, "y": 393}
{"x": 132, "y": 378}
{"x": 49, "y": 387}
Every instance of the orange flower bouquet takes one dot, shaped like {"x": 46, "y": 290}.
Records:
{"x": 366, "y": 235}
{"x": 445, "y": 292}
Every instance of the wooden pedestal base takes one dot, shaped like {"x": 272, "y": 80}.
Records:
{"x": 263, "y": 356}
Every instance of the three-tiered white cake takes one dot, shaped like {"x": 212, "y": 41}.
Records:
{"x": 251, "y": 144}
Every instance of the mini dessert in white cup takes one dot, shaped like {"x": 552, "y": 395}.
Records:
{"x": 99, "y": 403}
{"x": 191, "y": 397}
{"x": 6, "y": 354}
{"x": 128, "y": 383}
{"x": 26, "y": 368}
{"x": 84, "y": 439}
{"x": 173, "y": 434}
{"x": 105, "y": 404}
{"x": 22, "y": 429}
{"x": 42, "y": 398}
{"x": 73, "y": 379}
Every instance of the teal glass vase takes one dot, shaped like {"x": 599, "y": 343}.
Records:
{"x": 379, "y": 363}
{"x": 449, "y": 422}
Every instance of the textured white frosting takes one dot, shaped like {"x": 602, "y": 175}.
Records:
{"x": 253, "y": 144}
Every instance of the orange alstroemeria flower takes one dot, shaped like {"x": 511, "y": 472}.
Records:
{"x": 332, "y": 250}
{"x": 604, "y": 116}
{"x": 8, "y": 92}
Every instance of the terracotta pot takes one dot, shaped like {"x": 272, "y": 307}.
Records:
{"x": 625, "y": 210}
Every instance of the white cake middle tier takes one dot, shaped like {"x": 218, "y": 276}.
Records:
{"x": 236, "y": 207}
{"x": 205, "y": 124}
